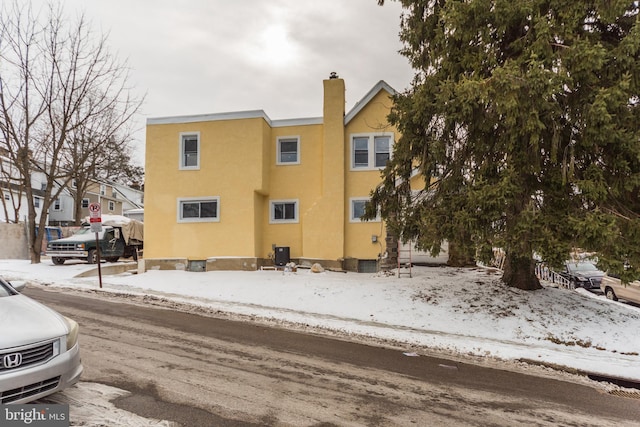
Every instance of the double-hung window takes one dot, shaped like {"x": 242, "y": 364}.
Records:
{"x": 288, "y": 150}
{"x": 382, "y": 149}
{"x": 283, "y": 211}
{"x": 199, "y": 209}
{"x": 361, "y": 152}
{"x": 190, "y": 150}
{"x": 370, "y": 151}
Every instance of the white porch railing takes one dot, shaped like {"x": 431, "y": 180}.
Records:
{"x": 544, "y": 273}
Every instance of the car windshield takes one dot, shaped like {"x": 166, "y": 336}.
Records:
{"x": 5, "y": 290}
{"x": 582, "y": 266}
{"x": 85, "y": 230}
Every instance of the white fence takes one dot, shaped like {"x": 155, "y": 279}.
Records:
{"x": 544, "y": 273}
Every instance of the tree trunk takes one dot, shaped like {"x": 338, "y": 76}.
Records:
{"x": 519, "y": 272}
{"x": 461, "y": 255}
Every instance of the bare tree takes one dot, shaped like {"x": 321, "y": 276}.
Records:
{"x": 62, "y": 95}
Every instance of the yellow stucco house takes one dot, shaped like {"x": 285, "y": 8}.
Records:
{"x": 240, "y": 191}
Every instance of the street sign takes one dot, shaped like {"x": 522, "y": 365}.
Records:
{"x": 95, "y": 217}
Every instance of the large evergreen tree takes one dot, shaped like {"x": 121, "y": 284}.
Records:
{"x": 523, "y": 118}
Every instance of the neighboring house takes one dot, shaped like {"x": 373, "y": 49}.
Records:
{"x": 10, "y": 193}
{"x": 132, "y": 198}
{"x": 114, "y": 199}
{"x": 224, "y": 191}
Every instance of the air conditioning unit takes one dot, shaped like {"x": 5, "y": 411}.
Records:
{"x": 282, "y": 255}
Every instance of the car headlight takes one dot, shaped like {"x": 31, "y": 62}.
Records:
{"x": 72, "y": 335}
{"x": 80, "y": 246}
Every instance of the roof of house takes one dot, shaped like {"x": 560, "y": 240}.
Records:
{"x": 254, "y": 114}
{"x": 381, "y": 85}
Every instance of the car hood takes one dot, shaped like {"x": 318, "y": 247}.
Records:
{"x": 79, "y": 238}
{"x": 25, "y": 321}
{"x": 590, "y": 273}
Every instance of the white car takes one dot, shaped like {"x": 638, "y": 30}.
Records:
{"x": 614, "y": 289}
{"x": 39, "y": 352}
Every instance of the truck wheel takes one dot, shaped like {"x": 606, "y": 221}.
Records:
{"x": 92, "y": 258}
{"x": 57, "y": 261}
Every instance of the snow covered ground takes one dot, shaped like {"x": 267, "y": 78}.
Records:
{"x": 466, "y": 312}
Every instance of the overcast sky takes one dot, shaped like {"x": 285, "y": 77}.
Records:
{"x": 212, "y": 56}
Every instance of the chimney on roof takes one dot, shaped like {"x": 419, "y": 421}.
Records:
{"x": 333, "y": 75}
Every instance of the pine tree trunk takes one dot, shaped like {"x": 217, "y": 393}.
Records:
{"x": 460, "y": 255}
{"x": 519, "y": 272}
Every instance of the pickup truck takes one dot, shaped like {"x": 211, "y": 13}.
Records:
{"x": 118, "y": 239}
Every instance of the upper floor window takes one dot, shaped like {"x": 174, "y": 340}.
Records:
{"x": 370, "y": 151}
{"x": 201, "y": 209}
{"x": 112, "y": 206}
{"x": 283, "y": 211}
{"x": 190, "y": 150}
{"x": 57, "y": 206}
{"x": 85, "y": 203}
{"x": 36, "y": 202}
{"x": 288, "y": 150}
{"x": 103, "y": 189}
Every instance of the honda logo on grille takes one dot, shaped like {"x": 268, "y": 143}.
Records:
{"x": 12, "y": 360}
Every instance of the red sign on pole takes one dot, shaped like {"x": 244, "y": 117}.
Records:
{"x": 95, "y": 217}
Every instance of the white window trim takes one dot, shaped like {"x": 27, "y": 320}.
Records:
{"x": 296, "y": 220}
{"x": 112, "y": 206}
{"x": 281, "y": 138}
{"x": 181, "y": 152}
{"x": 82, "y": 203}
{"x": 351, "y": 210}
{"x": 197, "y": 199}
{"x": 370, "y": 150}
{"x": 57, "y": 208}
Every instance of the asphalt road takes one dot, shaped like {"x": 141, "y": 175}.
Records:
{"x": 198, "y": 370}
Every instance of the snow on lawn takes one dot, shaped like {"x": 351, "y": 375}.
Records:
{"x": 462, "y": 311}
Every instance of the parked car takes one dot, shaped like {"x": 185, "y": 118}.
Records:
{"x": 614, "y": 289}
{"x": 582, "y": 274}
{"x": 39, "y": 351}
